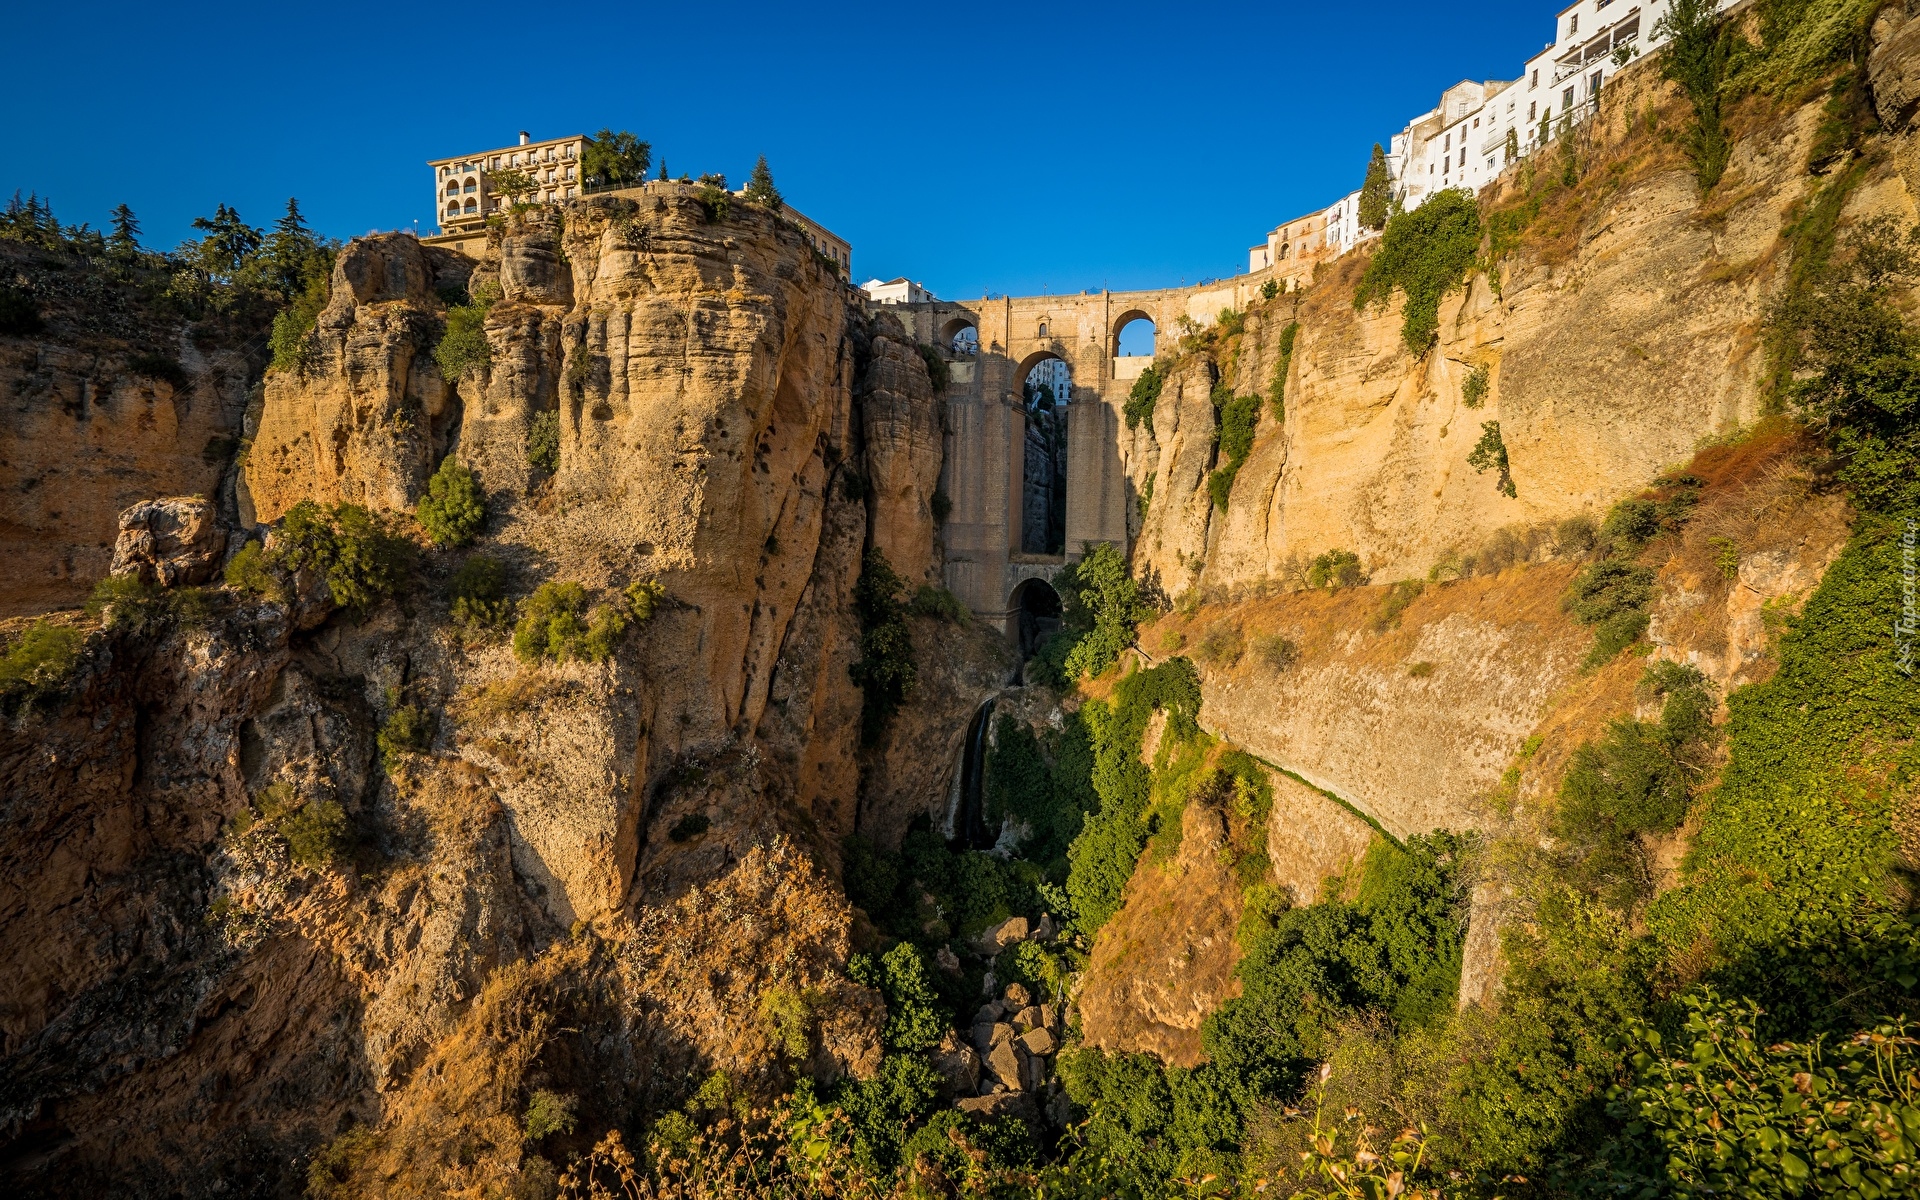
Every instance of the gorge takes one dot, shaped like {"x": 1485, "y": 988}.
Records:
{"x": 581, "y": 711}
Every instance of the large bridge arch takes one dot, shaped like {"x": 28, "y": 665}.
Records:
{"x": 982, "y": 474}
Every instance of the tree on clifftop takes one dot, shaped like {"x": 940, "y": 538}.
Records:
{"x": 615, "y": 158}
{"x": 1376, "y": 193}
{"x": 760, "y": 187}
{"x": 124, "y": 241}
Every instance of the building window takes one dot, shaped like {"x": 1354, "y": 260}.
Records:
{"x": 472, "y": 207}
{"x": 1530, "y": 113}
{"x": 1476, "y": 122}
{"x": 1535, "y": 81}
{"x": 471, "y": 185}
{"x": 1043, "y": 329}
{"x": 453, "y": 208}
{"x": 1573, "y": 24}
{"x": 1566, "y": 100}
{"x": 453, "y": 187}
{"x": 1447, "y": 142}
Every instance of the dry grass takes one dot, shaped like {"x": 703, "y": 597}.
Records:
{"x": 491, "y": 702}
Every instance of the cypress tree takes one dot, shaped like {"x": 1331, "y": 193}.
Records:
{"x": 1376, "y": 193}
{"x": 760, "y": 187}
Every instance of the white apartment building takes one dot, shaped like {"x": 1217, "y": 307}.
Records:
{"x": 462, "y": 198}
{"x": 1479, "y": 128}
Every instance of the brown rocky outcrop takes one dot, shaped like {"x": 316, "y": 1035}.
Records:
{"x": 902, "y": 424}
{"x": 170, "y": 542}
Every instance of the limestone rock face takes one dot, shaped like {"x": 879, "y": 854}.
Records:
{"x": 170, "y": 542}
{"x": 92, "y": 429}
{"x": 366, "y": 419}
{"x": 902, "y": 426}
{"x": 1605, "y": 364}
{"x": 1893, "y": 67}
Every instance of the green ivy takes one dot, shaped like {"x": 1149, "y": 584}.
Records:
{"x": 1237, "y": 417}
{"x": 1141, "y": 398}
{"x": 885, "y": 671}
{"x": 1424, "y": 254}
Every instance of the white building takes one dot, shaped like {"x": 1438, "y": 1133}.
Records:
{"x": 1479, "y": 128}
{"x": 462, "y": 195}
{"x": 896, "y": 291}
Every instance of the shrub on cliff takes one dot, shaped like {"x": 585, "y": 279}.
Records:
{"x": 556, "y": 623}
{"x": 1424, "y": 254}
{"x": 1142, "y": 397}
{"x": 463, "y": 338}
{"x": 613, "y": 159}
{"x": 1490, "y": 454}
{"x": 1101, "y": 606}
{"x": 1335, "y": 569}
{"x": 454, "y": 508}
{"x": 354, "y": 550}
{"x": 477, "y": 594}
{"x": 885, "y": 670}
{"x": 1277, "y": 387}
{"x": 38, "y": 661}
{"x": 1238, "y": 418}
{"x": 543, "y": 441}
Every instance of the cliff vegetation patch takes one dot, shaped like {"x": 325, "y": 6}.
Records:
{"x": 1424, "y": 254}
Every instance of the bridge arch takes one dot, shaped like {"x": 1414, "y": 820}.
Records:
{"x": 1036, "y": 613}
{"x": 1128, "y": 318}
{"x": 1027, "y": 365}
{"x": 961, "y": 335}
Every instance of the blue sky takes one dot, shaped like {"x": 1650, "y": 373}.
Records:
{"x": 1012, "y": 149}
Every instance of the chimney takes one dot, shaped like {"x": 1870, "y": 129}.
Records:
{"x": 523, "y": 137}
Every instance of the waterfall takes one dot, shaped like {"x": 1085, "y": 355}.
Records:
{"x": 970, "y": 818}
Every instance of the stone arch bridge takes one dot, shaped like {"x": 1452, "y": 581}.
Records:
{"x": 986, "y": 451}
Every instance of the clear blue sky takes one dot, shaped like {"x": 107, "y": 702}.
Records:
{"x": 1018, "y": 149}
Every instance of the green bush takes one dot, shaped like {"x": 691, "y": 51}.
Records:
{"x": 543, "y": 441}
{"x": 1716, "y": 1110}
{"x": 290, "y": 343}
{"x": 1020, "y": 784}
{"x": 1611, "y": 595}
{"x": 251, "y": 570}
{"x": 555, "y": 622}
{"x": 463, "y": 340}
{"x": 1335, "y": 569}
{"x": 689, "y": 827}
{"x": 939, "y": 603}
{"x": 1101, "y": 606}
{"x": 477, "y": 593}
{"x": 549, "y": 1113}
{"x": 1238, "y": 418}
{"x": 1142, "y": 397}
{"x": 408, "y": 729}
{"x": 885, "y": 671}
{"x": 1277, "y": 389}
{"x": 914, "y": 1020}
{"x": 126, "y": 602}
{"x": 39, "y": 660}
{"x": 1276, "y": 651}
{"x": 313, "y": 832}
{"x": 1490, "y": 454}
{"x": 938, "y": 373}
{"x": 885, "y": 1109}
{"x": 1425, "y": 253}
{"x": 1637, "y": 780}
{"x": 351, "y": 548}
{"x": 1473, "y": 389}
{"x": 454, "y": 508}
{"x": 1400, "y": 597}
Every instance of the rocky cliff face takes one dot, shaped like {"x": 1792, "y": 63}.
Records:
{"x": 112, "y": 401}
{"x": 731, "y": 426}
{"x": 1610, "y": 349}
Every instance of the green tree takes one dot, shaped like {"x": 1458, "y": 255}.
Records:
{"x": 662, "y": 177}
{"x": 454, "y": 508}
{"x": 229, "y": 243}
{"x": 760, "y": 187}
{"x": 124, "y": 242}
{"x": 1376, "y": 193}
{"x": 885, "y": 671}
{"x": 613, "y": 159}
{"x": 514, "y": 185}
{"x": 1490, "y": 454}
{"x": 1696, "y": 55}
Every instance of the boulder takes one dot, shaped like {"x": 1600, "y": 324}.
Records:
{"x": 172, "y": 543}
{"x": 1033, "y": 1068}
{"x": 1046, "y": 930}
{"x": 989, "y": 1013}
{"x": 1017, "y": 997}
{"x": 947, "y": 960}
{"x": 998, "y": 937}
{"x": 959, "y": 1067}
{"x": 1028, "y": 1018}
{"x": 1037, "y": 1041}
{"x": 1003, "y": 1063}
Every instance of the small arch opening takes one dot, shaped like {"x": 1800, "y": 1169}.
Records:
{"x": 1037, "y": 615}
{"x": 960, "y": 337}
{"x": 1042, "y": 332}
{"x": 1134, "y": 336}
{"x": 472, "y": 207}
